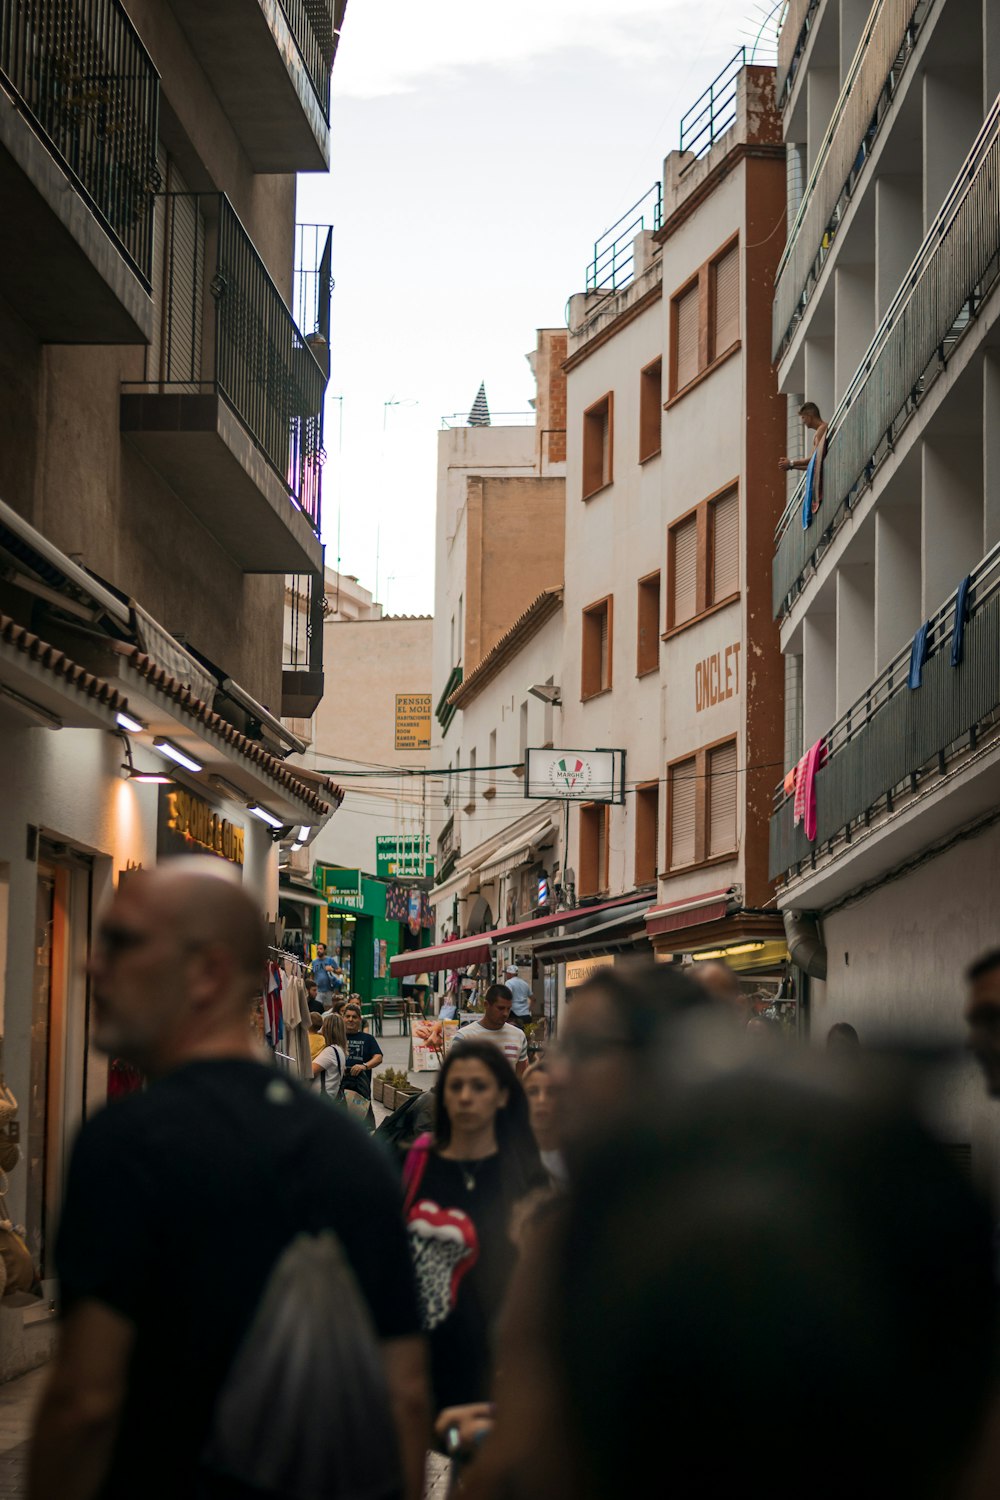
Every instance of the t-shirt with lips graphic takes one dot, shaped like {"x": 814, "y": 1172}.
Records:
{"x": 462, "y": 1256}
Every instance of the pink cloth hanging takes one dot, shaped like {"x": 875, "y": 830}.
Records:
{"x": 805, "y": 787}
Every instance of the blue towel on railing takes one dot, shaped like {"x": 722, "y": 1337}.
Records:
{"x": 961, "y": 615}
{"x": 918, "y": 655}
{"x": 807, "y": 496}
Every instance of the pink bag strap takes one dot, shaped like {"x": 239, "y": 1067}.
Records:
{"x": 414, "y": 1168}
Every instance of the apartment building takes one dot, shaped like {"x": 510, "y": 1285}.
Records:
{"x": 160, "y": 448}
{"x": 886, "y": 587}
{"x": 497, "y": 634}
{"x": 675, "y": 429}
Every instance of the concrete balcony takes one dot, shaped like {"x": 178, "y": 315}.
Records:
{"x": 231, "y": 412}
{"x": 935, "y": 310}
{"x": 270, "y": 63}
{"x": 78, "y": 119}
{"x": 871, "y": 86}
{"x": 906, "y": 767}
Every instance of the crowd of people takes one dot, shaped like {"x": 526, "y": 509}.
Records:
{"x": 662, "y": 1249}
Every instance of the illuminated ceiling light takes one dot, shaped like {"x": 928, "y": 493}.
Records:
{"x": 174, "y": 752}
{"x": 127, "y": 721}
{"x": 294, "y": 848}
{"x": 262, "y": 813}
{"x": 734, "y": 952}
{"x": 304, "y": 832}
{"x": 151, "y": 778}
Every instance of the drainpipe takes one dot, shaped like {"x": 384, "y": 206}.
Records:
{"x": 806, "y": 947}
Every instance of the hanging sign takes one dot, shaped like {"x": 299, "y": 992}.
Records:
{"x": 187, "y": 825}
{"x": 575, "y": 775}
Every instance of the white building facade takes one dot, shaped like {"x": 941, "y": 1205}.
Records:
{"x": 885, "y": 316}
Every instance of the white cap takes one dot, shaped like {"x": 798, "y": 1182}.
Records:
{"x": 511, "y": 969}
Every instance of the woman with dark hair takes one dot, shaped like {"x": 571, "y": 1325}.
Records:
{"x": 461, "y": 1186}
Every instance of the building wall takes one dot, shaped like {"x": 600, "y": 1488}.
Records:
{"x": 366, "y": 663}
{"x": 514, "y": 532}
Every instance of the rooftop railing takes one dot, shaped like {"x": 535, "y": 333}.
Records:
{"x": 871, "y": 84}
{"x": 892, "y": 734}
{"x": 89, "y": 88}
{"x": 239, "y": 340}
{"x": 612, "y": 265}
{"x": 715, "y": 111}
{"x": 954, "y": 270}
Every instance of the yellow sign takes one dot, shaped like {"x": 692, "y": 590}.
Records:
{"x": 413, "y": 721}
{"x": 579, "y": 970}
{"x": 198, "y": 823}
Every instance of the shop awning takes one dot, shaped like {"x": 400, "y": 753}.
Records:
{"x": 478, "y": 948}
{"x": 690, "y": 912}
{"x": 515, "y": 853}
{"x": 300, "y": 896}
{"x": 624, "y": 933}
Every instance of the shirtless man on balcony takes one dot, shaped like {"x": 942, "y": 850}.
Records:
{"x": 811, "y": 419}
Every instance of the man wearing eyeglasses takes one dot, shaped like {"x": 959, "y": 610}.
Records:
{"x": 182, "y": 1199}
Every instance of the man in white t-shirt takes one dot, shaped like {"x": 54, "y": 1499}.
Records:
{"x": 495, "y": 1027}
{"x": 520, "y": 993}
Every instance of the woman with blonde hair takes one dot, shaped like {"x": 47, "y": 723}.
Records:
{"x": 329, "y": 1064}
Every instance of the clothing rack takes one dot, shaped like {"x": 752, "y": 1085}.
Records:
{"x": 282, "y": 955}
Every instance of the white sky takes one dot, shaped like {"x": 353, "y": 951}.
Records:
{"x": 478, "y": 152}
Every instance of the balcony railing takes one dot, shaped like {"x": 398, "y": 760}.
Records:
{"x": 239, "y": 340}
{"x": 305, "y": 606}
{"x": 792, "y": 38}
{"x": 869, "y": 88}
{"x": 954, "y": 270}
{"x": 89, "y": 88}
{"x": 315, "y": 29}
{"x": 896, "y": 737}
{"x": 613, "y": 262}
{"x": 312, "y": 286}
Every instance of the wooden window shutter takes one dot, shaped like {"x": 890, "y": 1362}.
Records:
{"x": 686, "y": 310}
{"x": 725, "y": 546}
{"x": 605, "y": 650}
{"x": 684, "y": 593}
{"x": 683, "y": 799}
{"x": 603, "y": 815}
{"x": 726, "y": 301}
{"x": 722, "y": 782}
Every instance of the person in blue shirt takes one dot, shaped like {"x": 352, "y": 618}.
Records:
{"x": 325, "y": 971}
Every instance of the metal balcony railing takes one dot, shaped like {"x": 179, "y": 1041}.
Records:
{"x": 885, "y": 48}
{"x": 954, "y": 270}
{"x": 613, "y": 262}
{"x": 315, "y": 28}
{"x": 224, "y": 327}
{"x": 89, "y": 88}
{"x": 305, "y": 610}
{"x": 893, "y": 734}
{"x": 796, "y": 27}
{"x": 312, "y": 286}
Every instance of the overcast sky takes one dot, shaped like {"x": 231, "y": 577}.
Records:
{"x": 478, "y": 151}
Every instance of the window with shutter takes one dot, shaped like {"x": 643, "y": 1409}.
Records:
{"x": 684, "y": 571}
{"x": 721, "y": 819}
{"x": 598, "y": 444}
{"x": 650, "y": 409}
{"x": 647, "y": 808}
{"x": 683, "y": 801}
{"x": 686, "y": 310}
{"x": 726, "y": 302}
{"x": 725, "y": 514}
{"x": 592, "y": 874}
{"x": 602, "y": 848}
{"x": 648, "y": 633}
{"x": 596, "y": 675}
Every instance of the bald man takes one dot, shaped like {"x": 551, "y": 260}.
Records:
{"x": 181, "y": 1199}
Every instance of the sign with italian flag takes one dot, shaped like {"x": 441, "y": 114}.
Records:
{"x": 575, "y": 775}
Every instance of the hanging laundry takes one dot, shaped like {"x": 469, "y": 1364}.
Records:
{"x": 789, "y": 782}
{"x": 918, "y": 655}
{"x": 961, "y": 616}
{"x": 805, "y": 787}
{"x": 812, "y": 496}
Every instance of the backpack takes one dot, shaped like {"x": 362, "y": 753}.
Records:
{"x": 305, "y": 1411}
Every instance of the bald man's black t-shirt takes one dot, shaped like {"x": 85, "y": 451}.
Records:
{"x": 180, "y": 1200}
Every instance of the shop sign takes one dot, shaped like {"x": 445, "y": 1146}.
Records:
{"x": 413, "y": 721}
{"x": 717, "y": 678}
{"x": 187, "y": 825}
{"x": 398, "y": 856}
{"x": 341, "y": 887}
{"x": 575, "y": 775}
{"x": 579, "y": 970}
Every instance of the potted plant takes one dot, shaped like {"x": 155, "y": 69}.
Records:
{"x": 378, "y": 1087}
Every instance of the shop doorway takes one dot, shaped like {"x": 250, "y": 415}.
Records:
{"x": 59, "y": 1023}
